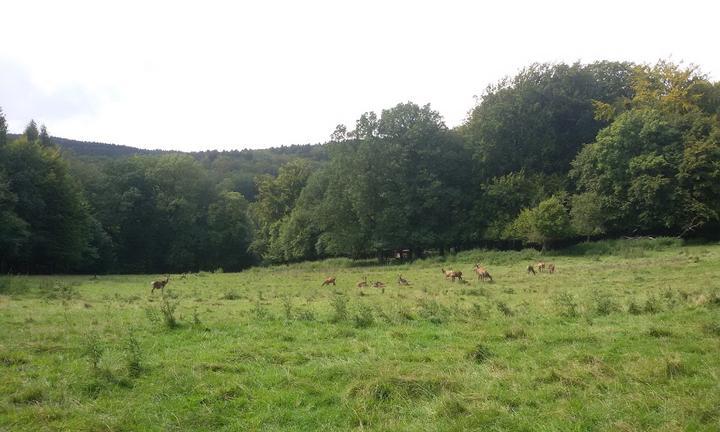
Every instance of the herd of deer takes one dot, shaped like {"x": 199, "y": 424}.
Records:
{"x": 480, "y": 271}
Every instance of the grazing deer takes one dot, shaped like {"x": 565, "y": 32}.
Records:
{"x": 402, "y": 281}
{"x": 482, "y": 273}
{"x": 451, "y": 274}
{"x": 551, "y": 268}
{"x": 362, "y": 283}
{"x": 328, "y": 280}
{"x": 378, "y": 284}
{"x": 541, "y": 266}
{"x": 160, "y": 284}
{"x": 531, "y": 269}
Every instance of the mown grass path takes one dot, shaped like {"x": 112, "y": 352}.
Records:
{"x": 626, "y": 340}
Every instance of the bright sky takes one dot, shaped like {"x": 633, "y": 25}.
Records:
{"x": 232, "y": 75}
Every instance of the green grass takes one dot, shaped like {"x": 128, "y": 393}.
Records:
{"x": 624, "y": 336}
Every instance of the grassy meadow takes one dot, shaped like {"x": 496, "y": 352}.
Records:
{"x": 624, "y": 336}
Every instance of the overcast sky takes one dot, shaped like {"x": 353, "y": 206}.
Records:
{"x": 232, "y": 75}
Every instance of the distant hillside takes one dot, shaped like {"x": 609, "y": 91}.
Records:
{"x": 96, "y": 149}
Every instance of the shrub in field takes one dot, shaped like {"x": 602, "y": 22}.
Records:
{"x": 433, "y": 311}
{"x": 339, "y": 304}
{"x": 566, "y": 305}
{"x": 93, "y": 349}
{"x": 152, "y": 315}
{"x": 504, "y": 308}
{"x": 658, "y": 332}
{"x": 364, "y": 316}
{"x": 634, "y": 308}
{"x": 167, "y": 308}
{"x": 674, "y": 367}
{"x": 30, "y": 395}
{"x": 306, "y": 315}
{"x": 261, "y": 312}
{"x": 196, "y": 317}
{"x": 480, "y": 353}
{"x": 652, "y": 305}
{"x": 230, "y": 295}
{"x": 712, "y": 328}
{"x": 604, "y": 304}
{"x": 515, "y": 333}
{"x": 133, "y": 355}
{"x": 287, "y": 307}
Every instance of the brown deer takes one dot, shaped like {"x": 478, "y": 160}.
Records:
{"x": 482, "y": 273}
{"x": 160, "y": 284}
{"x": 328, "y": 280}
{"x": 362, "y": 283}
{"x": 541, "y": 266}
{"x": 531, "y": 269}
{"x": 402, "y": 281}
{"x": 551, "y": 268}
{"x": 378, "y": 284}
{"x": 451, "y": 274}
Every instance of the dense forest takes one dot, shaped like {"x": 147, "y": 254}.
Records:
{"x": 557, "y": 153}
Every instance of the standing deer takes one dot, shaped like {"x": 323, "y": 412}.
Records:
{"x": 451, "y": 274}
{"x": 362, "y": 283}
{"x": 551, "y": 268}
{"x": 541, "y": 266}
{"x": 531, "y": 269}
{"x": 402, "y": 281}
{"x": 160, "y": 284}
{"x": 328, "y": 280}
{"x": 482, "y": 273}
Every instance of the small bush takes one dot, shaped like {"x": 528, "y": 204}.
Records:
{"x": 364, "y": 317}
{"x": 433, "y": 311}
{"x": 261, "y": 312}
{"x": 287, "y": 307}
{"x": 712, "y": 328}
{"x": 674, "y": 367}
{"x": 133, "y": 355}
{"x": 652, "y": 305}
{"x": 196, "y": 317}
{"x": 634, "y": 308}
{"x": 31, "y": 395}
{"x": 480, "y": 353}
{"x": 339, "y": 304}
{"x": 515, "y": 333}
{"x": 566, "y": 304}
{"x": 230, "y": 295}
{"x": 167, "y": 308}
{"x": 504, "y": 308}
{"x": 604, "y": 304}
{"x": 152, "y": 315}
{"x": 93, "y": 349}
{"x": 658, "y": 333}
{"x": 306, "y": 315}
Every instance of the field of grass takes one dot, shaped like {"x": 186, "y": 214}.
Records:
{"x": 624, "y": 336}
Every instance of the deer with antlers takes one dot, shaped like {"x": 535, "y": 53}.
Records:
{"x": 482, "y": 273}
{"x": 160, "y": 284}
{"x": 328, "y": 280}
{"x": 363, "y": 283}
{"x": 452, "y": 274}
{"x": 402, "y": 281}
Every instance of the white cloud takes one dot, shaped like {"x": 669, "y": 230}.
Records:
{"x": 212, "y": 74}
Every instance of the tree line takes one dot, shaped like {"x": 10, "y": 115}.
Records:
{"x": 556, "y": 153}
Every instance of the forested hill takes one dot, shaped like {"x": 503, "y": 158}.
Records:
{"x": 557, "y": 153}
{"x": 95, "y": 149}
